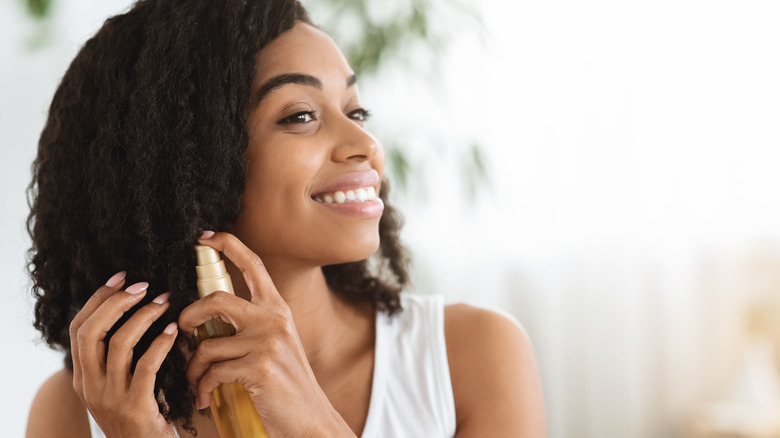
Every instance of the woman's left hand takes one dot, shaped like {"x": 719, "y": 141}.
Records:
{"x": 265, "y": 355}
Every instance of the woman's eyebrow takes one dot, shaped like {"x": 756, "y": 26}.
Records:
{"x": 292, "y": 78}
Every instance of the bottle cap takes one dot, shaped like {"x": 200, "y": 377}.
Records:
{"x": 211, "y": 272}
{"x": 206, "y": 255}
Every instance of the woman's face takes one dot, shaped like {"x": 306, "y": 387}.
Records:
{"x": 308, "y": 144}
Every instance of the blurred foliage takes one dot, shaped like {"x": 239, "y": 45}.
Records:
{"x": 474, "y": 170}
{"x": 400, "y": 165}
{"x": 370, "y": 38}
{"x": 374, "y": 34}
{"x": 38, "y": 9}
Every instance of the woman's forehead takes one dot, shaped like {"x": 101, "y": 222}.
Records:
{"x": 302, "y": 49}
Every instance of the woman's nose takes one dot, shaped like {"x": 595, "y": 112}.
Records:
{"x": 352, "y": 142}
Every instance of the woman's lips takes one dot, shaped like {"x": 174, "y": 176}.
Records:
{"x": 348, "y": 182}
{"x": 365, "y": 209}
{"x": 353, "y": 194}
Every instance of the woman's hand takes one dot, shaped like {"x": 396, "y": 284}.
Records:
{"x": 265, "y": 355}
{"x": 123, "y": 404}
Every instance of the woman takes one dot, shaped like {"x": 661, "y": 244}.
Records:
{"x": 242, "y": 117}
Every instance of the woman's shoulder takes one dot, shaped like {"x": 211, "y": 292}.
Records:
{"x": 477, "y": 332}
{"x": 494, "y": 376}
{"x": 468, "y": 318}
{"x": 57, "y": 410}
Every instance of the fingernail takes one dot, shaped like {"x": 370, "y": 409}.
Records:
{"x": 116, "y": 279}
{"x": 170, "y": 328}
{"x": 137, "y": 288}
{"x": 207, "y": 234}
{"x": 162, "y": 298}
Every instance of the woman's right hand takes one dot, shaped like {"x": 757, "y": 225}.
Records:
{"x": 123, "y": 404}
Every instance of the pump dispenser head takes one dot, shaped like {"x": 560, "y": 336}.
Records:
{"x": 211, "y": 271}
{"x": 206, "y": 255}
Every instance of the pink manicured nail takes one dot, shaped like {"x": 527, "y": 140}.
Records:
{"x": 207, "y": 234}
{"x": 162, "y": 298}
{"x": 116, "y": 279}
{"x": 170, "y": 328}
{"x": 137, "y": 288}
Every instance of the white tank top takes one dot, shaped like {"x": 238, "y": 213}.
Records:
{"x": 411, "y": 391}
{"x": 411, "y": 394}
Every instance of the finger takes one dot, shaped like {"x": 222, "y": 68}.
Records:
{"x": 217, "y": 305}
{"x": 92, "y": 333}
{"x": 213, "y": 350}
{"x": 150, "y": 362}
{"x": 120, "y": 348}
{"x": 252, "y": 268}
{"x": 111, "y": 286}
{"x": 217, "y": 374}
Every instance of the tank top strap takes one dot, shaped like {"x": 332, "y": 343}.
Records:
{"x": 411, "y": 394}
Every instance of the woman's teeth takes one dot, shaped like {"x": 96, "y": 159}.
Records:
{"x": 362, "y": 194}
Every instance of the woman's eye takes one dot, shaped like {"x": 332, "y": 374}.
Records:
{"x": 299, "y": 118}
{"x": 360, "y": 114}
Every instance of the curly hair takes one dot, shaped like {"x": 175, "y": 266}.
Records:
{"x": 142, "y": 150}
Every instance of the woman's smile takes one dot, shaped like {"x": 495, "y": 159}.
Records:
{"x": 365, "y": 209}
{"x": 353, "y": 194}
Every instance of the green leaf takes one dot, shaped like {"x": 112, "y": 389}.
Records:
{"x": 39, "y": 9}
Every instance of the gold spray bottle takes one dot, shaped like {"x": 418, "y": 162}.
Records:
{"x": 233, "y": 411}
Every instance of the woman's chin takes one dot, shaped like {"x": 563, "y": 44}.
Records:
{"x": 354, "y": 253}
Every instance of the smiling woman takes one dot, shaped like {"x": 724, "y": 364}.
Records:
{"x": 183, "y": 117}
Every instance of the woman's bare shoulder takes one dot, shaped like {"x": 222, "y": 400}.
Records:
{"x": 494, "y": 375}
{"x": 57, "y": 410}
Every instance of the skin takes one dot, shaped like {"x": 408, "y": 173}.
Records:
{"x": 306, "y": 356}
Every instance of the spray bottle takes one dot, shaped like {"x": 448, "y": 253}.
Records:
{"x": 233, "y": 410}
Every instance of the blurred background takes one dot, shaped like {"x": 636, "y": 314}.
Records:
{"x": 608, "y": 172}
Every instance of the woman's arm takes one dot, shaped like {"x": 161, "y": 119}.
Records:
{"x": 57, "y": 410}
{"x": 494, "y": 375}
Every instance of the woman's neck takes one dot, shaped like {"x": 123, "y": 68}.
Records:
{"x": 325, "y": 323}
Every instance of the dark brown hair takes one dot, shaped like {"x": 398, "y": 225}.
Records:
{"x": 142, "y": 150}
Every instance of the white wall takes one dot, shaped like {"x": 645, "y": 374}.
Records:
{"x": 633, "y": 150}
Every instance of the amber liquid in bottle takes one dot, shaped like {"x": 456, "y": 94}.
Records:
{"x": 233, "y": 410}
